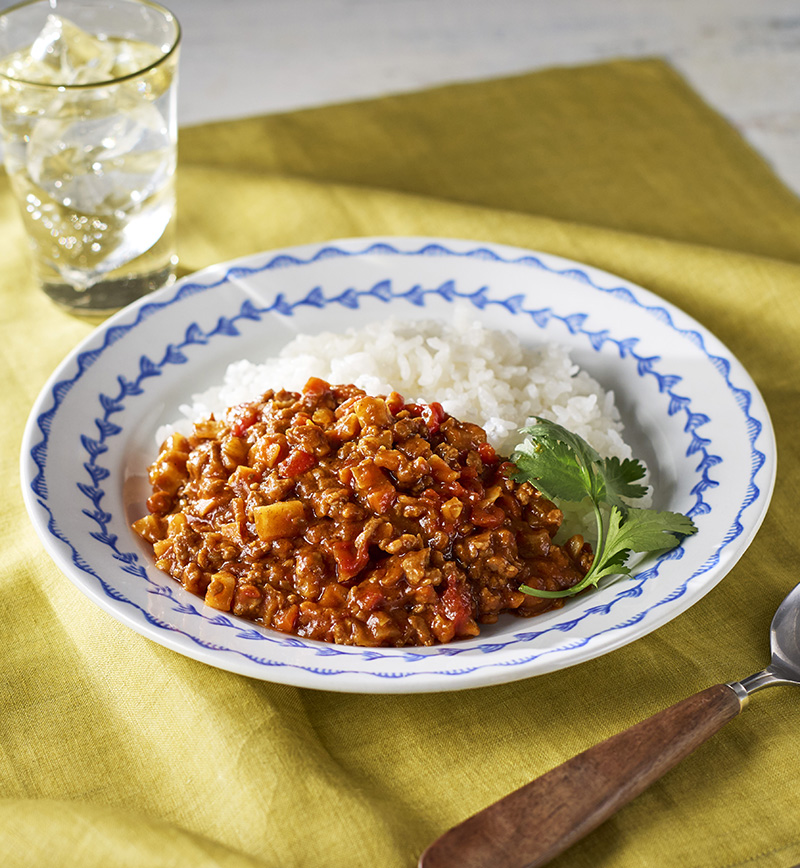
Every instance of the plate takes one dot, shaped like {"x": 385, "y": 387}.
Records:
{"x": 690, "y": 410}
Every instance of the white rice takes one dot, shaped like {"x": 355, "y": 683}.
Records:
{"x": 478, "y": 375}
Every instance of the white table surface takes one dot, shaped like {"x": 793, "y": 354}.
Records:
{"x": 246, "y": 57}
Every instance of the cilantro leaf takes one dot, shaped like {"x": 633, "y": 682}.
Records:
{"x": 551, "y": 469}
{"x": 646, "y": 530}
{"x": 564, "y": 467}
{"x": 620, "y": 478}
{"x": 557, "y": 462}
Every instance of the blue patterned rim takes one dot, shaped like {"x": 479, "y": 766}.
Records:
{"x": 95, "y": 445}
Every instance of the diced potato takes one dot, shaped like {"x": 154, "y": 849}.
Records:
{"x": 175, "y": 443}
{"x": 491, "y": 495}
{"x": 452, "y": 509}
{"x": 151, "y": 527}
{"x": 372, "y": 411}
{"x": 177, "y": 524}
{"x": 161, "y": 547}
{"x": 169, "y": 472}
{"x": 208, "y": 428}
{"x": 219, "y": 594}
{"x": 279, "y": 520}
{"x": 441, "y": 470}
{"x": 269, "y": 450}
{"x": 234, "y": 451}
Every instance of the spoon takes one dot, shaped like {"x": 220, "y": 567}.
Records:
{"x": 535, "y": 823}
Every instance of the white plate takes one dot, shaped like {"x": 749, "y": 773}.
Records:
{"x": 691, "y": 412}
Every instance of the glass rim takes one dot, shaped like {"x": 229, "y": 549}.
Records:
{"x": 106, "y": 82}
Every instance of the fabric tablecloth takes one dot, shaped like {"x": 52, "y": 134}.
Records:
{"x": 115, "y": 751}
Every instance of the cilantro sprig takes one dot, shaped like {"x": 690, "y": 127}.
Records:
{"x": 564, "y": 467}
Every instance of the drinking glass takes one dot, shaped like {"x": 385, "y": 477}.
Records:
{"x": 89, "y": 131}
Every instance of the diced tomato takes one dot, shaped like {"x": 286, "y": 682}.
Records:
{"x": 373, "y": 484}
{"x": 371, "y": 597}
{"x": 242, "y": 417}
{"x": 457, "y": 601}
{"x": 395, "y": 403}
{"x": 382, "y": 499}
{"x": 297, "y": 462}
{"x": 349, "y": 560}
{"x": 433, "y": 414}
{"x": 487, "y": 516}
{"x": 453, "y": 489}
{"x": 286, "y": 620}
{"x": 468, "y": 475}
{"x": 487, "y": 453}
{"x": 507, "y": 469}
{"x": 472, "y": 488}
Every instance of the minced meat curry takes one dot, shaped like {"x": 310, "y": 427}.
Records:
{"x": 360, "y": 520}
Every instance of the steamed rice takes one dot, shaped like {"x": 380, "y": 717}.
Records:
{"x": 477, "y": 374}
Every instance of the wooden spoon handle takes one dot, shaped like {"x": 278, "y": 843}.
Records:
{"x": 535, "y": 823}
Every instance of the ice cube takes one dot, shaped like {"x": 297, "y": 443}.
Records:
{"x": 120, "y": 243}
{"x": 65, "y": 54}
{"x": 62, "y": 53}
{"x": 131, "y": 55}
{"x": 102, "y": 165}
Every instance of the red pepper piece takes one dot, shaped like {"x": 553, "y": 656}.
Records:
{"x": 434, "y": 415}
{"x": 297, "y": 462}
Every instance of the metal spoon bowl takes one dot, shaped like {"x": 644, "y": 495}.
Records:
{"x": 535, "y": 823}
{"x": 784, "y": 637}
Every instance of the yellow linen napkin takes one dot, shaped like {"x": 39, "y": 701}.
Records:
{"x": 116, "y": 751}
